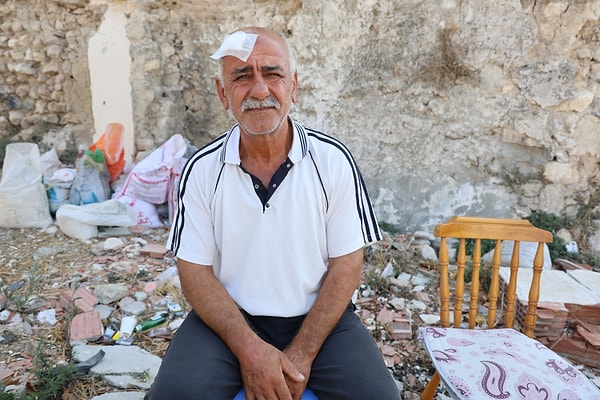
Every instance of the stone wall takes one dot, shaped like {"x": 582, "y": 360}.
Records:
{"x": 452, "y": 107}
{"x": 44, "y": 79}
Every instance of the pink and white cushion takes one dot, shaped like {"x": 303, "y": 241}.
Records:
{"x": 483, "y": 364}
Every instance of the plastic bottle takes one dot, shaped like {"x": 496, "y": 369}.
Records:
{"x": 151, "y": 322}
{"x": 127, "y": 325}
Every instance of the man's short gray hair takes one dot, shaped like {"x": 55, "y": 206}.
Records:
{"x": 291, "y": 60}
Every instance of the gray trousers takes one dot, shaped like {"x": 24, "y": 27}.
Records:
{"x": 198, "y": 365}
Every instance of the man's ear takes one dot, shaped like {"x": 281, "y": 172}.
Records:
{"x": 294, "y": 86}
{"x": 221, "y": 93}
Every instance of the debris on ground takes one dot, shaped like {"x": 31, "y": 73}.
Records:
{"x": 108, "y": 307}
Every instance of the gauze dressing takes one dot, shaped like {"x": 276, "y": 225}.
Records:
{"x": 239, "y": 44}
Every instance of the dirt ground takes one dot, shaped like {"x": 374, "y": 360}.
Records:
{"x": 36, "y": 266}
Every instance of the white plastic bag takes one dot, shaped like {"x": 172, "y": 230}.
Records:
{"x": 58, "y": 187}
{"x": 81, "y": 222}
{"x": 23, "y": 201}
{"x": 146, "y": 213}
{"x": 50, "y": 163}
{"x": 91, "y": 182}
{"x": 174, "y": 188}
{"x": 149, "y": 179}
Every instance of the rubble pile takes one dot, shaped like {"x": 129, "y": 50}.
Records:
{"x": 110, "y": 305}
{"x": 74, "y": 297}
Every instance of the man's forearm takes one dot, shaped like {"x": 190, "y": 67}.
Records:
{"x": 264, "y": 368}
{"x": 214, "y": 306}
{"x": 343, "y": 277}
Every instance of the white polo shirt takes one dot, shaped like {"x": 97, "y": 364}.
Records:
{"x": 272, "y": 257}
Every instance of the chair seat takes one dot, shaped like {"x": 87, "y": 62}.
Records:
{"x": 502, "y": 364}
{"x": 307, "y": 395}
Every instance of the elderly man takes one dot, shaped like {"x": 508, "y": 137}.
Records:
{"x": 269, "y": 234}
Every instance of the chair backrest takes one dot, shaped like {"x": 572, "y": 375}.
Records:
{"x": 498, "y": 230}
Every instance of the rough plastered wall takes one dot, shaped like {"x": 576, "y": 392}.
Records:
{"x": 450, "y": 107}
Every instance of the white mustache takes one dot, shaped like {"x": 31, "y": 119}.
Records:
{"x": 252, "y": 104}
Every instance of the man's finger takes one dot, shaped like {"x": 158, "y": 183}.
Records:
{"x": 291, "y": 371}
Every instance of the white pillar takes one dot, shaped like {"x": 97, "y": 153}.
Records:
{"x": 109, "y": 65}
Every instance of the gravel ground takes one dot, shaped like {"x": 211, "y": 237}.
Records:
{"x": 36, "y": 266}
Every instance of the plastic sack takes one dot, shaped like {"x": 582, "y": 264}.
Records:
{"x": 146, "y": 213}
{"x": 58, "y": 187}
{"x": 81, "y": 222}
{"x": 149, "y": 179}
{"x": 111, "y": 146}
{"x": 174, "y": 189}
{"x": 23, "y": 201}
{"x": 91, "y": 183}
{"x": 50, "y": 163}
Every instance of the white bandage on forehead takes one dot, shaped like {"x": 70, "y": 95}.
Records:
{"x": 239, "y": 44}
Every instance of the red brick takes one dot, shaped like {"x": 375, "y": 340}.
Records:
{"x": 423, "y": 296}
{"x": 86, "y": 326}
{"x": 154, "y": 250}
{"x": 82, "y": 298}
{"x": 385, "y": 316}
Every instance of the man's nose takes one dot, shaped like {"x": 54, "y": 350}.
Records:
{"x": 260, "y": 89}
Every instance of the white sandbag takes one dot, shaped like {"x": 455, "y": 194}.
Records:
{"x": 23, "y": 201}
{"x": 50, "y": 163}
{"x": 174, "y": 189}
{"x": 91, "y": 182}
{"x": 149, "y": 179}
{"x": 146, "y": 213}
{"x": 81, "y": 222}
{"x": 58, "y": 187}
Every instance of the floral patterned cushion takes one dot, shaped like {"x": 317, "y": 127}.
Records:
{"x": 502, "y": 364}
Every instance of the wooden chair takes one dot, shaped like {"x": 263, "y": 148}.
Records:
{"x": 492, "y": 357}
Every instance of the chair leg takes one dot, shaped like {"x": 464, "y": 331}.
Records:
{"x": 431, "y": 387}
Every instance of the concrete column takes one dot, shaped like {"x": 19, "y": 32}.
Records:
{"x": 109, "y": 65}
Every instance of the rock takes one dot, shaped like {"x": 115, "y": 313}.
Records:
{"x": 398, "y": 303}
{"x": 404, "y": 279}
{"x": 47, "y": 316}
{"x": 388, "y": 271}
{"x": 419, "y": 280}
{"x": 416, "y": 305}
{"x": 112, "y": 244}
{"x": 104, "y": 310}
{"x": 134, "y": 308}
{"x": 122, "y": 366}
{"x": 428, "y": 253}
{"x": 430, "y": 319}
{"x": 564, "y": 234}
{"x": 110, "y": 292}
{"x": 424, "y": 235}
